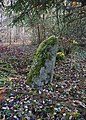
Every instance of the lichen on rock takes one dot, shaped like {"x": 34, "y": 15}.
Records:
{"x": 41, "y": 71}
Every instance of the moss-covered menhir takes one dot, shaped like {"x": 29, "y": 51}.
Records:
{"x": 40, "y": 57}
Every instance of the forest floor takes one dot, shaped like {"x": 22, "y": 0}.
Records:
{"x": 63, "y": 99}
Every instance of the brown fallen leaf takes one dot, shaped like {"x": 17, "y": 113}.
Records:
{"x": 2, "y": 94}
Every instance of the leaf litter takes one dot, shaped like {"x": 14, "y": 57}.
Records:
{"x": 63, "y": 99}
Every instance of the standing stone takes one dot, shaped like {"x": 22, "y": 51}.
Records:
{"x": 41, "y": 71}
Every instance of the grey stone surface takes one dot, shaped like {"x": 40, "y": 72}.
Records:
{"x": 45, "y": 73}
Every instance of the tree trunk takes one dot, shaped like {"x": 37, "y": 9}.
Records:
{"x": 44, "y": 32}
{"x": 38, "y": 30}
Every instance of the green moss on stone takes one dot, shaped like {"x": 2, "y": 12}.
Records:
{"x": 40, "y": 57}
